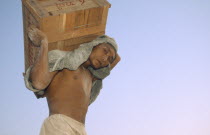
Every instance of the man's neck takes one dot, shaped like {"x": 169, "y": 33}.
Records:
{"x": 86, "y": 64}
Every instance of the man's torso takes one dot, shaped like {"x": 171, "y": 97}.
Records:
{"x": 69, "y": 93}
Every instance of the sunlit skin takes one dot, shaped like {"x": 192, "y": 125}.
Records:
{"x": 68, "y": 92}
{"x": 101, "y": 56}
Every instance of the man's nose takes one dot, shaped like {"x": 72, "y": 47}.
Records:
{"x": 105, "y": 58}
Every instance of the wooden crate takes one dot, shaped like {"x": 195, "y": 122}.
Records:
{"x": 67, "y": 23}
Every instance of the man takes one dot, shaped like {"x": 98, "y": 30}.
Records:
{"x": 69, "y": 80}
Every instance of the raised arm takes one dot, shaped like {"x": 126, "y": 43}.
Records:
{"x": 115, "y": 61}
{"x": 40, "y": 76}
{"x": 113, "y": 64}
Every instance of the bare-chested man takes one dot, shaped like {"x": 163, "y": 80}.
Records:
{"x": 67, "y": 91}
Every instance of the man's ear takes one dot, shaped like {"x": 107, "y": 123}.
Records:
{"x": 115, "y": 61}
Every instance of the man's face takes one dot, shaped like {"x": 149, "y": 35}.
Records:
{"x": 102, "y": 55}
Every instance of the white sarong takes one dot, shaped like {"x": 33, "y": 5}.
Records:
{"x": 59, "y": 124}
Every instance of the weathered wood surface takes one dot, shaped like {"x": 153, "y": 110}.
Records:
{"x": 67, "y": 23}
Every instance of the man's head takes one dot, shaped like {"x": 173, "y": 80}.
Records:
{"x": 102, "y": 55}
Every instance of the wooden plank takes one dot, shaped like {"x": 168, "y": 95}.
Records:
{"x": 54, "y": 24}
{"x": 60, "y": 45}
{"x": 37, "y": 8}
{"x": 25, "y": 37}
{"x": 102, "y": 3}
{"x": 62, "y": 23}
{"x": 75, "y": 33}
{"x": 95, "y": 17}
{"x": 70, "y": 44}
{"x": 105, "y": 15}
{"x": 29, "y": 50}
{"x": 87, "y": 5}
{"x": 54, "y": 46}
{"x": 32, "y": 10}
{"x": 56, "y": 7}
{"x": 83, "y": 39}
{"x": 70, "y": 21}
{"x": 51, "y": 24}
{"x": 84, "y": 19}
{"x": 79, "y": 19}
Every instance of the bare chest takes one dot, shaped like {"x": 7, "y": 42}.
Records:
{"x": 71, "y": 84}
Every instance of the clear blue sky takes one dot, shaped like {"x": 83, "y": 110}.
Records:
{"x": 161, "y": 86}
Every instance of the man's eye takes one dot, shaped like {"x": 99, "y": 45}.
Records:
{"x": 105, "y": 50}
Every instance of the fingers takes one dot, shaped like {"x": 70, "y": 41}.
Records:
{"x": 33, "y": 36}
{"x": 24, "y": 74}
{"x": 32, "y": 30}
{"x": 118, "y": 58}
{"x": 36, "y": 36}
{"x": 35, "y": 31}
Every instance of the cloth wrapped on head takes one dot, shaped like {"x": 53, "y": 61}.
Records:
{"x": 71, "y": 60}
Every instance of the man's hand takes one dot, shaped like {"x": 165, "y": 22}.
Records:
{"x": 36, "y": 36}
{"x": 115, "y": 61}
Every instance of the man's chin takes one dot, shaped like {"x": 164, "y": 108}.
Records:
{"x": 96, "y": 67}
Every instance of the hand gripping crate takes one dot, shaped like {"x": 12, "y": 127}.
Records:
{"x": 67, "y": 23}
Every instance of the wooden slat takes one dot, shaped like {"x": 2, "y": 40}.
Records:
{"x": 54, "y": 46}
{"x": 31, "y": 51}
{"x": 37, "y": 8}
{"x": 76, "y": 33}
{"x": 31, "y": 9}
{"x": 105, "y": 15}
{"x": 83, "y": 39}
{"x": 70, "y": 21}
{"x": 25, "y": 23}
{"x": 95, "y": 17}
{"x": 79, "y": 19}
{"x": 102, "y": 3}
{"x": 71, "y": 44}
{"x": 51, "y": 24}
{"x": 56, "y": 7}
{"x": 62, "y": 23}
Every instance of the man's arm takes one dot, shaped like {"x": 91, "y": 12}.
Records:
{"x": 112, "y": 65}
{"x": 40, "y": 76}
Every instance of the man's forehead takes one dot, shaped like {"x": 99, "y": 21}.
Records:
{"x": 109, "y": 45}
{"x": 111, "y": 48}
